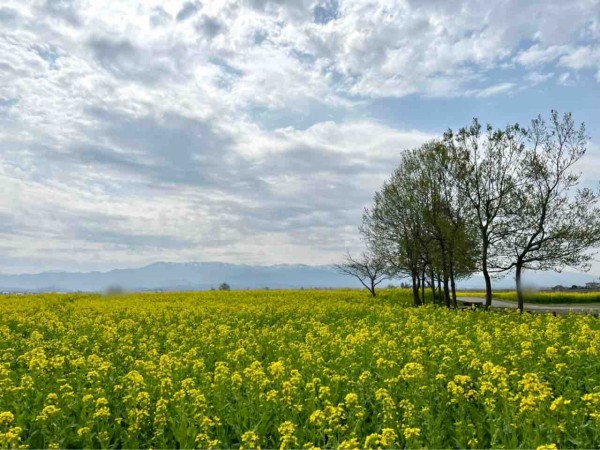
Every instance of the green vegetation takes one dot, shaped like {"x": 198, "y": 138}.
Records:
{"x": 542, "y": 297}
{"x": 292, "y": 369}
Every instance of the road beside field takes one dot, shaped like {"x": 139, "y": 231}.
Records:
{"x": 559, "y": 308}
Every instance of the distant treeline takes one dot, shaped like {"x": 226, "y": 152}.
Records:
{"x": 482, "y": 199}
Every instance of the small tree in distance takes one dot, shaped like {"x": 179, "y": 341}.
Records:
{"x": 224, "y": 287}
{"x": 368, "y": 269}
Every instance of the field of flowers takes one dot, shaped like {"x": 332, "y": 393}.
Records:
{"x": 544, "y": 297}
{"x": 292, "y": 369}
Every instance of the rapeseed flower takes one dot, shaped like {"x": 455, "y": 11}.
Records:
{"x": 6, "y": 418}
{"x": 388, "y": 437}
{"x": 292, "y": 369}
{"x": 48, "y": 413}
{"x": 250, "y": 440}
{"x": 286, "y": 431}
{"x": 410, "y": 433}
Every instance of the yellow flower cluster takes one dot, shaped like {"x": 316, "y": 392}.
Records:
{"x": 6, "y": 418}
{"x": 250, "y": 440}
{"x": 288, "y": 440}
{"x": 292, "y": 369}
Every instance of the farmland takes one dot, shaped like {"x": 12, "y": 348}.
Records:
{"x": 543, "y": 297}
{"x": 292, "y": 369}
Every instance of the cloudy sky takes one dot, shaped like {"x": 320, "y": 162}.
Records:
{"x": 254, "y": 131}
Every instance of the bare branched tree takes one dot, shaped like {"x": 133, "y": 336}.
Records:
{"x": 368, "y": 269}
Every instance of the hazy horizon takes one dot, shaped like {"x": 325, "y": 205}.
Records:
{"x": 209, "y": 274}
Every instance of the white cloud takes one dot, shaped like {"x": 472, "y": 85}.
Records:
{"x": 115, "y": 208}
{"x": 589, "y": 166}
{"x": 136, "y": 131}
{"x": 537, "y": 54}
{"x": 583, "y": 57}
{"x": 494, "y": 90}
{"x": 565, "y": 79}
{"x": 538, "y": 78}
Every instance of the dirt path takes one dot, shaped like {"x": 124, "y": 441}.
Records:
{"x": 562, "y": 308}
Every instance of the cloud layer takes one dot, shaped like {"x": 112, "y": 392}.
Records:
{"x": 238, "y": 130}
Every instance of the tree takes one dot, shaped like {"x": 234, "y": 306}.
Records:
{"x": 417, "y": 224}
{"x": 368, "y": 269}
{"x": 391, "y": 228}
{"x": 224, "y": 287}
{"x": 493, "y": 200}
{"x": 552, "y": 227}
{"x": 484, "y": 167}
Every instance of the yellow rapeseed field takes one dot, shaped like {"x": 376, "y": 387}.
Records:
{"x": 292, "y": 369}
{"x": 545, "y": 297}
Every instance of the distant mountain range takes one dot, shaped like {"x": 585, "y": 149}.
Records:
{"x": 181, "y": 276}
{"x": 206, "y": 275}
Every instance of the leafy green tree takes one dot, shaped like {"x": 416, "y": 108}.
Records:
{"x": 392, "y": 229}
{"x": 447, "y": 217}
{"x": 484, "y": 167}
{"x": 417, "y": 223}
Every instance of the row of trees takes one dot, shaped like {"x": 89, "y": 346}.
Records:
{"x": 486, "y": 200}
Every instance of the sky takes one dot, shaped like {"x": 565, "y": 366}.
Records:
{"x": 254, "y": 131}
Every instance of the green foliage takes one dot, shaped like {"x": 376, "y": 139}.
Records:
{"x": 418, "y": 224}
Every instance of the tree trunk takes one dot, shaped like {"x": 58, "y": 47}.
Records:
{"x": 445, "y": 274}
{"x": 452, "y": 283}
{"x": 373, "y": 293}
{"x": 453, "y": 286}
{"x": 446, "y": 291}
{"x": 415, "y": 289}
{"x": 439, "y": 288}
{"x": 423, "y": 286}
{"x": 519, "y": 269}
{"x": 433, "y": 300}
{"x": 488, "y": 288}
{"x": 486, "y": 276}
